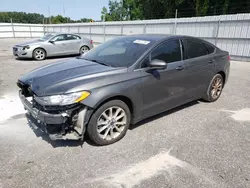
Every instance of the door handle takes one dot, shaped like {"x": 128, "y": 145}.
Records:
{"x": 211, "y": 61}
{"x": 179, "y": 68}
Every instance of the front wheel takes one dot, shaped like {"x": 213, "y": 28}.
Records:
{"x": 214, "y": 89}
{"x": 109, "y": 123}
{"x": 39, "y": 54}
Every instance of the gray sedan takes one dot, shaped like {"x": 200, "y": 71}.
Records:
{"x": 53, "y": 45}
{"x": 122, "y": 82}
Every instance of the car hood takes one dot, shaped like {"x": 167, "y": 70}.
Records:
{"x": 30, "y": 43}
{"x": 61, "y": 77}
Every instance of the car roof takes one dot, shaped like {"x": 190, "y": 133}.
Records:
{"x": 154, "y": 37}
{"x": 61, "y": 33}
{"x": 158, "y": 37}
{"x": 151, "y": 37}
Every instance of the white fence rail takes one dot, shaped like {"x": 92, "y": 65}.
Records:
{"x": 229, "y": 32}
{"x": 8, "y": 30}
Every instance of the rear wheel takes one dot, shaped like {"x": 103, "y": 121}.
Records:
{"x": 84, "y": 49}
{"x": 39, "y": 54}
{"x": 215, "y": 88}
{"x": 109, "y": 123}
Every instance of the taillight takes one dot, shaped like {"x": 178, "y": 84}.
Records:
{"x": 91, "y": 41}
{"x": 229, "y": 57}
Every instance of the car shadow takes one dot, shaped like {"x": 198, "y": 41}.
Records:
{"x": 76, "y": 143}
{"x": 168, "y": 112}
{"x": 48, "y": 58}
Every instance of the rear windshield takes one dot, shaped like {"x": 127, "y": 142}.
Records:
{"x": 119, "y": 52}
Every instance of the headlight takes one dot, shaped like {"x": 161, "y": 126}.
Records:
{"x": 26, "y": 47}
{"x": 63, "y": 99}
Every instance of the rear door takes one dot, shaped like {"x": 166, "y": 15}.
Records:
{"x": 199, "y": 64}
{"x": 72, "y": 44}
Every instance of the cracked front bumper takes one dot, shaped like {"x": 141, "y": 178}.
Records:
{"x": 40, "y": 115}
{"x": 60, "y": 125}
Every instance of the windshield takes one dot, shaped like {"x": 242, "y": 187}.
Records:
{"x": 120, "y": 52}
{"x": 46, "y": 37}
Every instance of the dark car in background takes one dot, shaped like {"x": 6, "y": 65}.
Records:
{"x": 120, "y": 83}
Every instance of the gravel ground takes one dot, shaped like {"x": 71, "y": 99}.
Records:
{"x": 196, "y": 145}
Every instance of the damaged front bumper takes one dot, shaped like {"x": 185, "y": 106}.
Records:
{"x": 63, "y": 124}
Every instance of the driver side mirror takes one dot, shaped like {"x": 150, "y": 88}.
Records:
{"x": 51, "y": 41}
{"x": 157, "y": 64}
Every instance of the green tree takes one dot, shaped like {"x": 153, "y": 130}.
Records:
{"x": 34, "y": 18}
{"x": 85, "y": 20}
{"x": 59, "y": 19}
{"x": 122, "y": 10}
{"x": 104, "y": 14}
{"x": 159, "y": 9}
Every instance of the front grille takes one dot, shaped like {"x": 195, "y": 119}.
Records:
{"x": 14, "y": 49}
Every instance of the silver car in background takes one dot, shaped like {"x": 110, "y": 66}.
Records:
{"x": 53, "y": 45}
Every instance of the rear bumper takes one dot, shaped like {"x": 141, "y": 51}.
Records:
{"x": 63, "y": 125}
{"x": 227, "y": 71}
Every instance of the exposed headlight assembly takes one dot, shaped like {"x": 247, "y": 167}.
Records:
{"x": 61, "y": 100}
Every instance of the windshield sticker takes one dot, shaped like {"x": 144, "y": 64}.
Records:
{"x": 145, "y": 42}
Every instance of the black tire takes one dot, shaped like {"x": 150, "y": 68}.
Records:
{"x": 43, "y": 54}
{"x": 92, "y": 126}
{"x": 208, "y": 96}
{"x": 81, "y": 51}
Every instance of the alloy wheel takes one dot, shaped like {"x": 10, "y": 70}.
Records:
{"x": 111, "y": 123}
{"x": 216, "y": 87}
{"x": 39, "y": 54}
{"x": 84, "y": 49}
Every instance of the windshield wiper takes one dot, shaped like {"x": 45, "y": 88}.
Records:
{"x": 101, "y": 63}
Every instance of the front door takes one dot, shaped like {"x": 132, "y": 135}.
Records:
{"x": 57, "y": 45}
{"x": 164, "y": 89}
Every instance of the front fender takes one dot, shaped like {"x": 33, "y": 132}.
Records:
{"x": 129, "y": 89}
{"x": 35, "y": 46}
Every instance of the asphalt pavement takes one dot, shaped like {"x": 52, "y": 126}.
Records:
{"x": 196, "y": 145}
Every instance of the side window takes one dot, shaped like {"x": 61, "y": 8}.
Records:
{"x": 59, "y": 38}
{"x": 169, "y": 52}
{"x": 194, "y": 48}
{"x": 209, "y": 48}
{"x": 72, "y": 37}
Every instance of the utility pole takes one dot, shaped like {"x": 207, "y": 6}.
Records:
{"x": 49, "y": 15}
{"x": 43, "y": 26}
{"x": 64, "y": 11}
{"x": 175, "y": 24}
{"x": 64, "y": 14}
{"x": 121, "y": 10}
{"x": 12, "y": 26}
